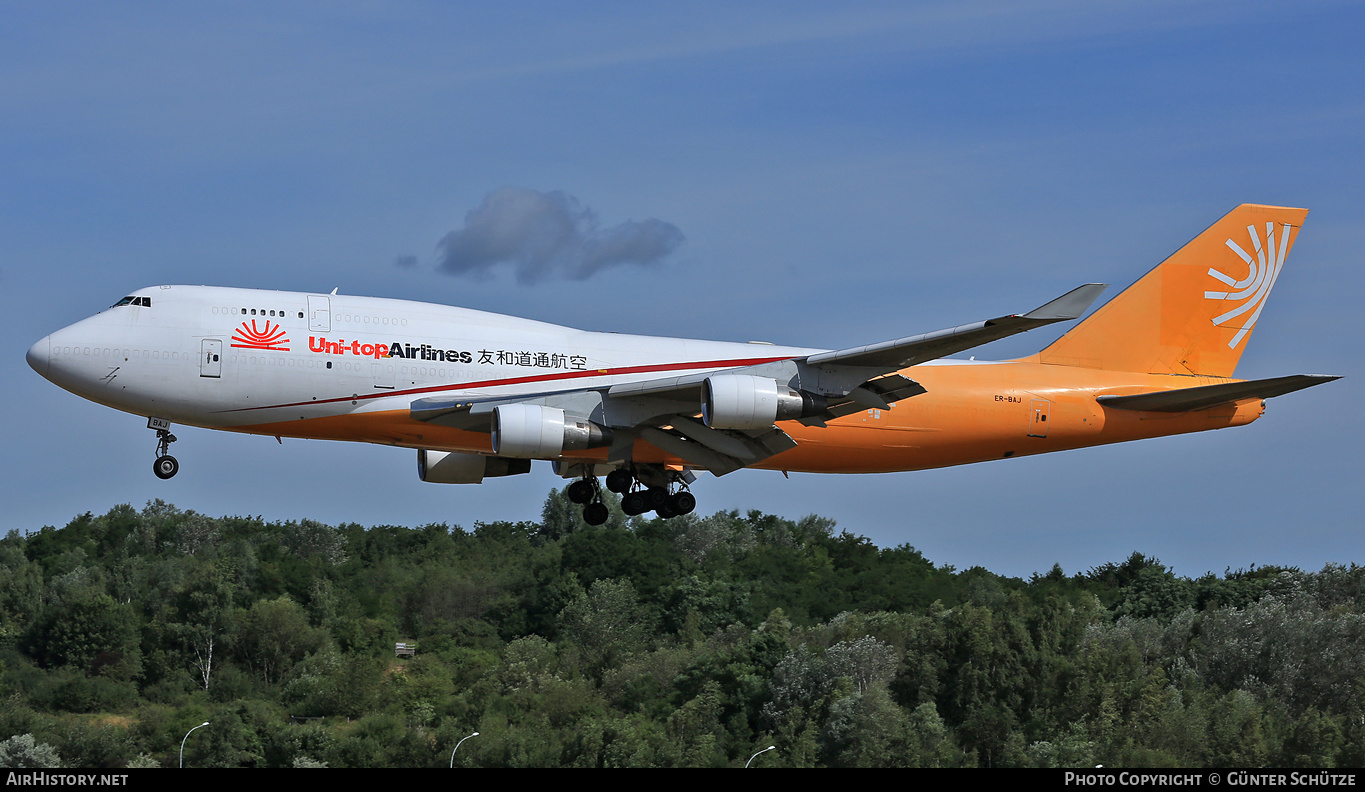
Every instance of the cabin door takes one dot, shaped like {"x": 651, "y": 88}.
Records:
{"x": 1038, "y": 409}
{"x": 211, "y": 358}
{"x": 319, "y": 314}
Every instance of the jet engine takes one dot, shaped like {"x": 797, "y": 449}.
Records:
{"x": 534, "y": 431}
{"x": 743, "y": 401}
{"x": 454, "y": 467}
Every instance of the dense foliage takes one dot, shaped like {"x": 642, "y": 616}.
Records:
{"x": 684, "y": 642}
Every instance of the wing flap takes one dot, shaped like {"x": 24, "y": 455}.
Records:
{"x": 881, "y": 392}
{"x": 1206, "y": 396}
{"x": 691, "y": 452}
{"x": 718, "y": 451}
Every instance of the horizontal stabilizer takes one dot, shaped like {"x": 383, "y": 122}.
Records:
{"x": 1188, "y": 399}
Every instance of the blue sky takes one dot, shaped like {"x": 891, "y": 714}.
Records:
{"x": 840, "y": 174}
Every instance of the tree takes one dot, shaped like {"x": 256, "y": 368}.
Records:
{"x": 865, "y": 661}
{"x": 867, "y": 729}
{"x": 274, "y": 635}
{"x": 312, "y": 539}
{"x": 89, "y": 630}
{"x": 23, "y": 752}
{"x": 203, "y": 611}
{"x": 608, "y": 623}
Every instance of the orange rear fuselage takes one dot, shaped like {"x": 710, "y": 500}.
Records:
{"x": 970, "y": 412}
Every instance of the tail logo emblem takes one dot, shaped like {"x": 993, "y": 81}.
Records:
{"x": 271, "y": 337}
{"x": 1251, "y": 291}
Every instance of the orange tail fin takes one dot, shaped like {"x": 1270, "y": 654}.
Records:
{"x": 1194, "y": 312}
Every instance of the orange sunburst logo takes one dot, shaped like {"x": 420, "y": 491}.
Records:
{"x": 270, "y": 337}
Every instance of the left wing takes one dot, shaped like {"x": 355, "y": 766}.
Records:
{"x": 740, "y": 406}
{"x": 886, "y": 357}
{"x": 913, "y": 350}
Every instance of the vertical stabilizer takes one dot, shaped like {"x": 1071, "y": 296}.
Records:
{"x": 1194, "y": 312}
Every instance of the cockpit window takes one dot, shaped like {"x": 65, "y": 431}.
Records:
{"x": 143, "y": 301}
{"x": 124, "y": 301}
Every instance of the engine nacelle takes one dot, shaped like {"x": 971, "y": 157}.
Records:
{"x": 454, "y": 467}
{"x": 743, "y": 401}
{"x": 748, "y": 402}
{"x": 534, "y": 431}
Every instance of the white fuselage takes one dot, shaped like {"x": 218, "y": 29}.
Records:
{"x": 235, "y": 358}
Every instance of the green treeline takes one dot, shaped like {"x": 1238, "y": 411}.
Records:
{"x": 691, "y": 642}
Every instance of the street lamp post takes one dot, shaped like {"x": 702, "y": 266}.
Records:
{"x": 187, "y": 736}
{"x": 457, "y": 747}
{"x": 751, "y": 758}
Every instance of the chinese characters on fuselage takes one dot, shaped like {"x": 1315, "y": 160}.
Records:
{"x": 501, "y": 357}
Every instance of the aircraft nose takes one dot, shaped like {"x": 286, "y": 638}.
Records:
{"x": 37, "y": 356}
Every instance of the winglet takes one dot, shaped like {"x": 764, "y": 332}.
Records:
{"x": 1069, "y": 305}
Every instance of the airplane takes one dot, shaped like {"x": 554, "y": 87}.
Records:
{"x": 480, "y": 395}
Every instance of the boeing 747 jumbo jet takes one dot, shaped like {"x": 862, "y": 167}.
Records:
{"x": 481, "y": 395}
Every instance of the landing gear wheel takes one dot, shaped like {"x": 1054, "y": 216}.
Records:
{"x": 165, "y": 466}
{"x": 682, "y": 502}
{"x": 633, "y": 503}
{"x": 595, "y": 513}
{"x": 656, "y": 497}
{"x": 580, "y": 491}
{"x": 665, "y": 511}
{"x": 619, "y": 481}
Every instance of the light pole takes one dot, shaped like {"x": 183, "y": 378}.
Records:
{"x": 751, "y": 758}
{"x": 457, "y": 747}
{"x": 187, "y": 736}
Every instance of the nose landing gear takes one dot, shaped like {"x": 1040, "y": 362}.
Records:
{"x": 165, "y": 465}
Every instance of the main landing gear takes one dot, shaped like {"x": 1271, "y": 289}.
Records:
{"x": 165, "y": 465}
{"x": 642, "y": 488}
{"x": 586, "y": 491}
